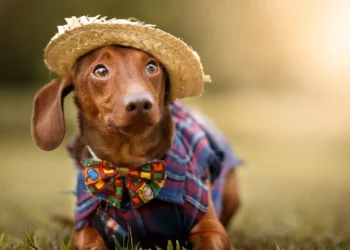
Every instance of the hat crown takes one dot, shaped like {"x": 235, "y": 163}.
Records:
{"x": 83, "y": 34}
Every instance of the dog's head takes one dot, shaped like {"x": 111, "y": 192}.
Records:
{"x": 118, "y": 90}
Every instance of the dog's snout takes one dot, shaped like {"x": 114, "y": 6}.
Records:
{"x": 138, "y": 103}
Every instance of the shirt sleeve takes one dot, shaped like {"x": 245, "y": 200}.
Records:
{"x": 222, "y": 160}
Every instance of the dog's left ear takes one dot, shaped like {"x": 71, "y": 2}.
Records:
{"x": 48, "y": 125}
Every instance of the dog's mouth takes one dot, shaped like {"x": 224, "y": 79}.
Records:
{"x": 135, "y": 128}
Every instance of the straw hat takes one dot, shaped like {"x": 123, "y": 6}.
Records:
{"x": 84, "y": 34}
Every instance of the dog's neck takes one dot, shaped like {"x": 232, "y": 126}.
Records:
{"x": 128, "y": 150}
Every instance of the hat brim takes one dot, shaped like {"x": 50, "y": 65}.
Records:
{"x": 180, "y": 61}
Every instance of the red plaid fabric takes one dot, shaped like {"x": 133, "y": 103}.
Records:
{"x": 198, "y": 149}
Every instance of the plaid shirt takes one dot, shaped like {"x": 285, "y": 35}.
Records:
{"x": 198, "y": 149}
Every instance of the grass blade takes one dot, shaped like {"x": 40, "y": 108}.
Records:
{"x": 277, "y": 247}
{"x": 2, "y": 241}
{"x": 170, "y": 245}
{"x": 64, "y": 247}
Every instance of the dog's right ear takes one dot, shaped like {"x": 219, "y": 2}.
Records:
{"x": 48, "y": 125}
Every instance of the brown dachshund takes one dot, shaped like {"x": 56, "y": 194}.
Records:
{"x": 121, "y": 94}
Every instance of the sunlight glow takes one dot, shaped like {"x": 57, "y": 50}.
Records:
{"x": 338, "y": 37}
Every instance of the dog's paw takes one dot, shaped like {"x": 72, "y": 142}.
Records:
{"x": 210, "y": 245}
{"x": 212, "y": 240}
{"x": 88, "y": 238}
{"x": 96, "y": 246}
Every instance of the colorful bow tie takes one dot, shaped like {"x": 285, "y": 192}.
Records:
{"x": 106, "y": 181}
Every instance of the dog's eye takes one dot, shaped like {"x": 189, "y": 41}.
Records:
{"x": 100, "y": 71}
{"x": 151, "y": 67}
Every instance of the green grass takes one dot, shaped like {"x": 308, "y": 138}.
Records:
{"x": 59, "y": 239}
{"x": 56, "y": 239}
{"x": 294, "y": 186}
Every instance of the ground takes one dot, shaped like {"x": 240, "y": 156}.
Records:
{"x": 294, "y": 184}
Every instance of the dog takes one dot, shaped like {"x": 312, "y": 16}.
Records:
{"x": 126, "y": 118}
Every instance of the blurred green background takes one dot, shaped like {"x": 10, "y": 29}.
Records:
{"x": 280, "y": 91}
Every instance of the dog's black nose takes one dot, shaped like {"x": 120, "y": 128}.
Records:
{"x": 138, "y": 103}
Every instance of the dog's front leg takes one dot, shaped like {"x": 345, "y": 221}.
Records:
{"x": 209, "y": 233}
{"x": 88, "y": 238}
